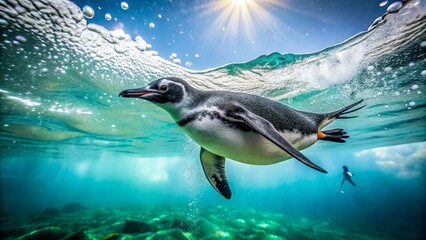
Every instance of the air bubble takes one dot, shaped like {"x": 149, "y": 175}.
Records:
{"x": 376, "y": 22}
{"x": 124, "y": 6}
{"x": 411, "y": 104}
{"x": 423, "y": 73}
{"x": 382, "y": 4}
{"x": 422, "y": 44}
{"x": 20, "y": 38}
{"x": 177, "y": 61}
{"x": 411, "y": 64}
{"x": 88, "y": 12}
{"x": 108, "y": 17}
{"x": 197, "y": 55}
{"x": 159, "y": 16}
{"x": 3, "y": 23}
{"x": 414, "y": 87}
{"x": 152, "y": 25}
{"x": 388, "y": 69}
{"x": 370, "y": 68}
{"x": 394, "y": 7}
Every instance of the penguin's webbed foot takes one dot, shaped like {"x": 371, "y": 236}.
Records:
{"x": 333, "y": 135}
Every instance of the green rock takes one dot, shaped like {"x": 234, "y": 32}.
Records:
{"x": 12, "y": 232}
{"x": 48, "y": 233}
{"x": 111, "y": 236}
{"x": 171, "y": 234}
{"x": 204, "y": 228}
{"x": 131, "y": 226}
{"x": 252, "y": 234}
{"x": 158, "y": 224}
{"x": 142, "y": 236}
{"x": 72, "y": 208}
{"x": 78, "y": 236}
{"x": 183, "y": 224}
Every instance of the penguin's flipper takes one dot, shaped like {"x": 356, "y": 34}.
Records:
{"x": 214, "y": 168}
{"x": 268, "y": 130}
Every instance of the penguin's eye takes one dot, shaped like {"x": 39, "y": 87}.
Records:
{"x": 163, "y": 88}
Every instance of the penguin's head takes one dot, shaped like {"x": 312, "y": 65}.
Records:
{"x": 164, "y": 92}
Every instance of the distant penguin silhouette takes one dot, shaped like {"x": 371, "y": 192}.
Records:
{"x": 347, "y": 176}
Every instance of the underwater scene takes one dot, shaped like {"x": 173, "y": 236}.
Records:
{"x": 94, "y": 146}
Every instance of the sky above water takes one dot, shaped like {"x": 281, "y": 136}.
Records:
{"x": 205, "y": 33}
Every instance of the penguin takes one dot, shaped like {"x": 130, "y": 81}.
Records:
{"x": 347, "y": 176}
{"x": 239, "y": 126}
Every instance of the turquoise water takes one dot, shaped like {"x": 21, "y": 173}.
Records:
{"x": 66, "y": 137}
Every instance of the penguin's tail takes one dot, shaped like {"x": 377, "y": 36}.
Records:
{"x": 337, "y": 135}
{"x": 348, "y": 109}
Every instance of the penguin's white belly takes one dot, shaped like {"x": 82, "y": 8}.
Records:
{"x": 243, "y": 146}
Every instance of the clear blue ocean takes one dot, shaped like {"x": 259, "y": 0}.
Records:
{"x": 79, "y": 162}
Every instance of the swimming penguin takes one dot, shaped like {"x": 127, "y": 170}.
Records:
{"x": 347, "y": 176}
{"x": 242, "y": 127}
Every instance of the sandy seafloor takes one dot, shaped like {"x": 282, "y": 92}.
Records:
{"x": 74, "y": 221}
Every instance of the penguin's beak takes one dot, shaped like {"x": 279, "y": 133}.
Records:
{"x": 135, "y": 92}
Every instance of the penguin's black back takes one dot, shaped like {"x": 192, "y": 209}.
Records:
{"x": 280, "y": 115}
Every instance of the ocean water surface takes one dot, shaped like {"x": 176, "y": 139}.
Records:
{"x": 78, "y": 162}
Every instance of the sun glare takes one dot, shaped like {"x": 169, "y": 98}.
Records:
{"x": 240, "y": 2}
{"x": 233, "y": 18}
